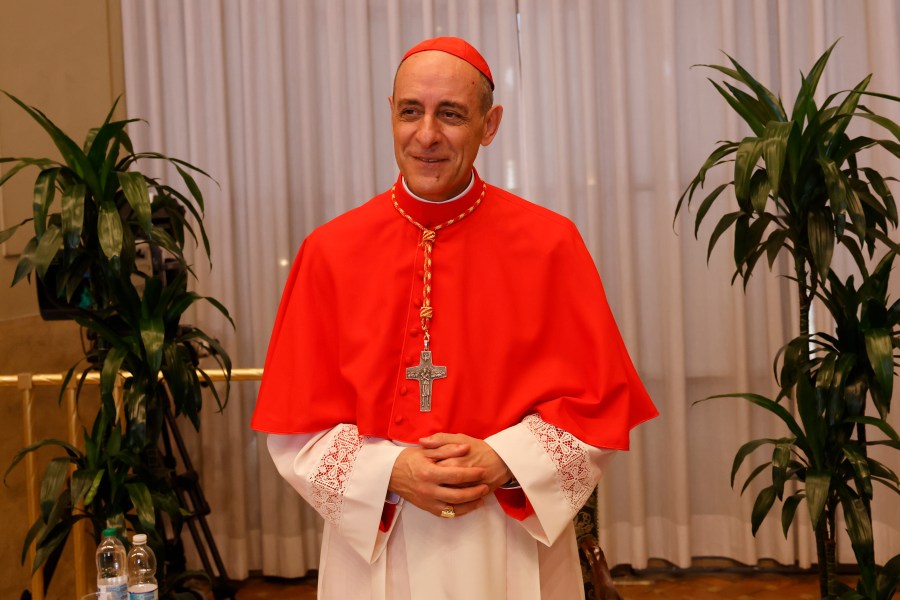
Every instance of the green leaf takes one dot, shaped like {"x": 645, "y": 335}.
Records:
{"x": 883, "y": 121}
{"x": 26, "y": 261}
{"x": 880, "y": 353}
{"x": 110, "y": 370}
{"x": 721, "y": 227}
{"x": 8, "y": 233}
{"x": 754, "y": 474}
{"x": 706, "y": 204}
{"x": 221, "y": 308}
{"x": 52, "y": 484}
{"x": 847, "y": 108}
{"x": 715, "y": 158}
{"x": 881, "y": 424}
{"x": 818, "y": 484}
{"x": 805, "y": 96}
{"x": 135, "y": 188}
{"x": 745, "y": 451}
{"x": 33, "y": 531}
{"x": 775, "y": 150}
{"x": 143, "y": 504}
{"x": 71, "y": 153}
{"x": 788, "y": 510}
{"x": 21, "y": 454}
{"x": 878, "y": 469}
{"x": 43, "y": 163}
{"x": 745, "y": 110}
{"x": 859, "y": 526}
{"x": 759, "y": 191}
{"x": 44, "y": 192}
{"x": 777, "y": 410}
{"x": 192, "y": 186}
{"x": 861, "y": 472}
{"x": 766, "y": 97}
{"x": 52, "y": 536}
{"x": 109, "y": 229}
{"x": 51, "y": 242}
{"x": 73, "y": 200}
{"x": 745, "y": 160}
{"x": 780, "y": 458}
{"x": 82, "y": 482}
{"x": 821, "y": 241}
{"x": 95, "y": 486}
{"x": 153, "y": 336}
{"x": 761, "y": 507}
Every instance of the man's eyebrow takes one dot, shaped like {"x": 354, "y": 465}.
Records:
{"x": 460, "y": 108}
{"x": 444, "y": 104}
{"x": 405, "y": 102}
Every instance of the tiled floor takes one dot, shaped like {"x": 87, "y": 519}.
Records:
{"x": 671, "y": 586}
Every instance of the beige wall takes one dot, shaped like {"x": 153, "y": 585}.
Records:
{"x": 64, "y": 57}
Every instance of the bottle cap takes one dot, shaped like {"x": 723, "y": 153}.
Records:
{"x": 110, "y": 532}
{"x": 139, "y": 538}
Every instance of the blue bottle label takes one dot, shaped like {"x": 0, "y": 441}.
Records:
{"x": 143, "y": 591}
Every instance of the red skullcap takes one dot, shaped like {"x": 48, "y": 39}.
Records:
{"x": 459, "y": 48}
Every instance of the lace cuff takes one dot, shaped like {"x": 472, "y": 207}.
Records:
{"x": 330, "y": 475}
{"x": 570, "y": 457}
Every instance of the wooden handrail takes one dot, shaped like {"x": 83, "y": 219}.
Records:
{"x": 51, "y": 379}
{"x": 26, "y": 382}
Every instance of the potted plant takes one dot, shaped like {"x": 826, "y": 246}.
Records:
{"x": 801, "y": 189}
{"x": 108, "y": 252}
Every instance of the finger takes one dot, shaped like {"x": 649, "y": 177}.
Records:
{"x": 454, "y": 496}
{"x": 436, "y": 440}
{"x": 446, "y": 451}
{"x": 455, "y": 476}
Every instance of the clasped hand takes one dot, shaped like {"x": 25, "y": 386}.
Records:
{"x": 448, "y": 469}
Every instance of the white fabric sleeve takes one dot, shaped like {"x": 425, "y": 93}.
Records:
{"x": 556, "y": 470}
{"x": 344, "y": 476}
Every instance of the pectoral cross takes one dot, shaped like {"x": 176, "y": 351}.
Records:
{"x": 425, "y": 372}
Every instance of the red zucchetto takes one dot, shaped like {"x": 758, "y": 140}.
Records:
{"x": 459, "y": 48}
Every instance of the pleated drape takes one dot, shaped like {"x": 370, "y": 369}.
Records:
{"x": 284, "y": 103}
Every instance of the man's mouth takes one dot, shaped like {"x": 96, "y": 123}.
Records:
{"x": 429, "y": 161}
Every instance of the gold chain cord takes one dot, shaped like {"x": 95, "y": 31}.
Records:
{"x": 428, "y": 239}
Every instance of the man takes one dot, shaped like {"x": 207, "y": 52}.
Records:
{"x": 445, "y": 381}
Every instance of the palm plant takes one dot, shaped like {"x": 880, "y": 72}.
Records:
{"x": 801, "y": 190}
{"x": 111, "y": 252}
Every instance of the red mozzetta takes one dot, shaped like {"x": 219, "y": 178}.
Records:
{"x": 521, "y": 323}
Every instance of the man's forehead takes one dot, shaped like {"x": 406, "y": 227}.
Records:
{"x": 457, "y": 47}
{"x": 436, "y": 75}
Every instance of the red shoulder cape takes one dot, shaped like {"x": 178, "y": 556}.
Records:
{"x": 520, "y": 321}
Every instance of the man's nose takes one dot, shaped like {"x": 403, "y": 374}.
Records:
{"x": 428, "y": 131}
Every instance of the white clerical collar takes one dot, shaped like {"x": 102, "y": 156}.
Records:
{"x": 457, "y": 197}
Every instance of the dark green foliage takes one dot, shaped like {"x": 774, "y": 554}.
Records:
{"x": 801, "y": 191}
{"x": 94, "y": 216}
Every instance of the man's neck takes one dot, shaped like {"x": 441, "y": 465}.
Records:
{"x": 456, "y": 197}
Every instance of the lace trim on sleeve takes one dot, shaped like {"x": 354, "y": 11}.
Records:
{"x": 571, "y": 459}
{"x": 329, "y": 477}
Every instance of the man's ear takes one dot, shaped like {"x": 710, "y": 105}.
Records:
{"x": 391, "y": 103}
{"x": 491, "y": 124}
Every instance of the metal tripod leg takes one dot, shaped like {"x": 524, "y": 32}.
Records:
{"x": 191, "y": 498}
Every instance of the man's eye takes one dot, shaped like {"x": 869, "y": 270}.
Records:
{"x": 449, "y": 115}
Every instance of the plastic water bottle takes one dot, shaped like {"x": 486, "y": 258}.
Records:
{"x": 112, "y": 582}
{"x": 141, "y": 570}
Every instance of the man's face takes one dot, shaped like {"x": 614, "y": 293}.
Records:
{"x": 438, "y": 123}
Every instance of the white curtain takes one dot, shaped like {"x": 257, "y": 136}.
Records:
{"x": 285, "y": 104}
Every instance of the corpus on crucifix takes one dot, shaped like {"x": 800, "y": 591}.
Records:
{"x": 425, "y": 372}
